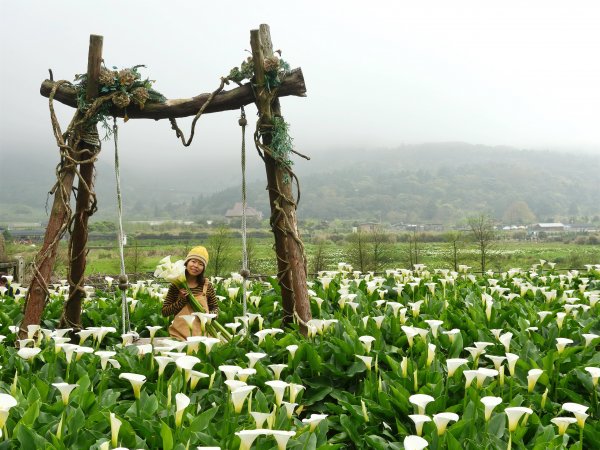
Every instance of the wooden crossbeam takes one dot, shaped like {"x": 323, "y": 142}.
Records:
{"x": 293, "y": 84}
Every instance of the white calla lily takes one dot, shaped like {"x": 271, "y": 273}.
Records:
{"x": 562, "y": 423}
{"x": 421, "y": 401}
{"x": 413, "y": 442}
{"x": 514, "y": 414}
{"x": 532, "y": 377}
{"x": 279, "y": 388}
{"x": 239, "y": 395}
{"x": 419, "y": 420}
{"x": 441, "y": 421}
{"x": 454, "y": 363}
{"x": 136, "y": 380}
{"x": 7, "y": 401}
{"x": 115, "y": 426}
{"x": 489, "y": 404}
{"x": 182, "y": 401}
{"x": 314, "y": 420}
{"x": 65, "y": 390}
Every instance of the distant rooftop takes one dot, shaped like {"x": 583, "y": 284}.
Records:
{"x": 550, "y": 225}
{"x": 236, "y": 211}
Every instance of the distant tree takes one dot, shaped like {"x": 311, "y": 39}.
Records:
{"x": 484, "y": 234}
{"x": 61, "y": 264}
{"x": 518, "y": 213}
{"x": 7, "y": 236}
{"x": 358, "y": 250}
{"x": 413, "y": 248}
{"x": 103, "y": 227}
{"x": 2, "y": 248}
{"x": 251, "y": 253}
{"x": 134, "y": 258}
{"x": 220, "y": 250}
{"x": 380, "y": 248}
{"x": 455, "y": 240}
{"x": 318, "y": 259}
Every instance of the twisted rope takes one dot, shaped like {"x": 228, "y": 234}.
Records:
{"x": 126, "y": 325}
{"x": 245, "y": 272}
{"x": 174, "y": 126}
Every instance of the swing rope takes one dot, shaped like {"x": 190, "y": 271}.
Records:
{"x": 126, "y": 326}
{"x": 245, "y": 272}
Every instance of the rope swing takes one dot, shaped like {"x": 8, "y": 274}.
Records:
{"x": 245, "y": 272}
{"x": 123, "y": 281}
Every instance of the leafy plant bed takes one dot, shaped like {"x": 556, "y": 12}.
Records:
{"x": 473, "y": 347}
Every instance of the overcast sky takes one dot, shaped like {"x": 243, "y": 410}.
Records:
{"x": 378, "y": 73}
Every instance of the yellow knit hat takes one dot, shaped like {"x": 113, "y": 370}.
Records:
{"x": 199, "y": 253}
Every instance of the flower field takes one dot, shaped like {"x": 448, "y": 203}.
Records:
{"x": 406, "y": 359}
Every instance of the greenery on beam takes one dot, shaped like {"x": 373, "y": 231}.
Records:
{"x": 127, "y": 86}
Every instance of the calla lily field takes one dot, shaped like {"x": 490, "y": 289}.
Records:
{"x": 404, "y": 359}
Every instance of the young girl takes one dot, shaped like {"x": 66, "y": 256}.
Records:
{"x": 177, "y": 303}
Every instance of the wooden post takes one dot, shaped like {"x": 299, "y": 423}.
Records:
{"x": 291, "y": 262}
{"x": 71, "y": 316}
{"x": 46, "y": 257}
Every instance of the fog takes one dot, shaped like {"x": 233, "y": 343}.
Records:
{"x": 378, "y": 74}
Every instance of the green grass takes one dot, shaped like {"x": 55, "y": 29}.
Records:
{"x": 103, "y": 257}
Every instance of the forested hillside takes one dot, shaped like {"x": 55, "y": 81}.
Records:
{"x": 442, "y": 183}
{"x": 439, "y": 183}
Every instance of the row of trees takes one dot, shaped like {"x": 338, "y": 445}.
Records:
{"x": 366, "y": 251}
{"x": 371, "y": 251}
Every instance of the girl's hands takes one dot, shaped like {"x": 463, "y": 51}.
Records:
{"x": 183, "y": 293}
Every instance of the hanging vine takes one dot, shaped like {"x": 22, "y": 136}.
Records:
{"x": 275, "y": 71}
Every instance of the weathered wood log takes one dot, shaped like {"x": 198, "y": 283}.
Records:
{"x": 46, "y": 257}
{"x": 291, "y": 263}
{"x": 71, "y": 316}
{"x": 44, "y": 260}
{"x": 175, "y": 108}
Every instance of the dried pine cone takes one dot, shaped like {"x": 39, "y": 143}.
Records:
{"x": 107, "y": 77}
{"x": 139, "y": 95}
{"x": 121, "y": 100}
{"x": 271, "y": 63}
{"x": 126, "y": 77}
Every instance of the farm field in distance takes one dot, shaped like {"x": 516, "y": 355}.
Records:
{"x": 323, "y": 253}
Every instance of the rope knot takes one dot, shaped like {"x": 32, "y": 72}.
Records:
{"x": 123, "y": 282}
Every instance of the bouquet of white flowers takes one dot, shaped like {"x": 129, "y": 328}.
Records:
{"x": 174, "y": 272}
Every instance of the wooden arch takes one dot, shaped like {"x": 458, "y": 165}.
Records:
{"x": 291, "y": 261}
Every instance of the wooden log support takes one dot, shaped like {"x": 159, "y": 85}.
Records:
{"x": 291, "y": 262}
{"x": 46, "y": 257}
{"x": 185, "y": 107}
{"x": 71, "y": 316}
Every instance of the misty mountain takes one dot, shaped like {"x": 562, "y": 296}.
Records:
{"x": 439, "y": 183}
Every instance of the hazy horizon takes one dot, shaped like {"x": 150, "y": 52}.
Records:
{"x": 378, "y": 75}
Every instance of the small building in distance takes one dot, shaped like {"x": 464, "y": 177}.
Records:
{"x": 550, "y": 227}
{"x": 235, "y": 213}
{"x": 367, "y": 227}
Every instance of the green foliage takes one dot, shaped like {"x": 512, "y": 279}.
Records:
{"x": 366, "y": 408}
{"x": 275, "y": 69}
{"x": 282, "y": 143}
{"x": 126, "y": 86}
